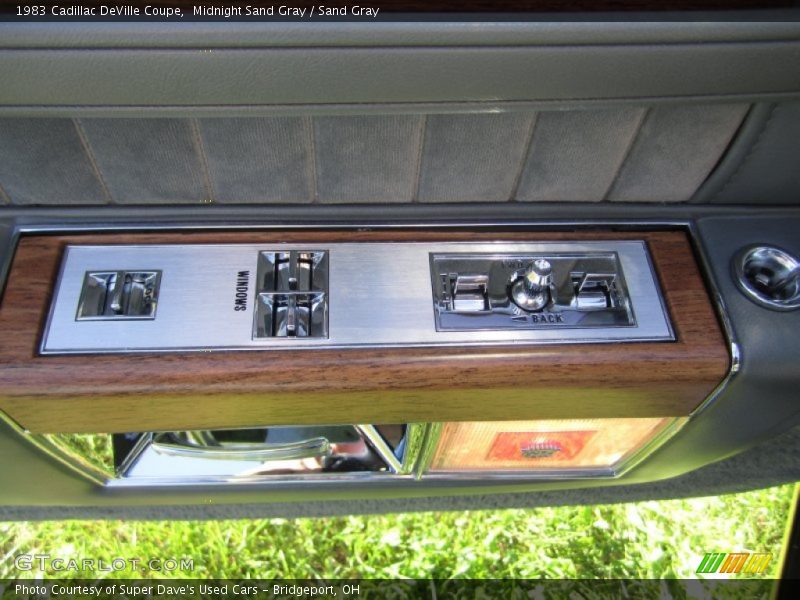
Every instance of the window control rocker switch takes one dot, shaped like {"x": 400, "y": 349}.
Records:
{"x": 119, "y": 295}
{"x": 291, "y": 301}
{"x": 293, "y": 271}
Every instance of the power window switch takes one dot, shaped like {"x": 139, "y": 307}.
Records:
{"x": 119, "y": 295}
{"x": 294, "y": 271}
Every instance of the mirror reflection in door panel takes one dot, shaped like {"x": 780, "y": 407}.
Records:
{"x": 263, "y": 452}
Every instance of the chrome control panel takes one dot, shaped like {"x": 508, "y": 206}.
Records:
{"x": 530, "y": 291}
{"x": 144, "y": 298}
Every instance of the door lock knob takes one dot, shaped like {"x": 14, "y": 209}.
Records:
{"x": 531, "y": 291}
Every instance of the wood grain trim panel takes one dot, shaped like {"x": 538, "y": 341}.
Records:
{"x": 174, "y": 391}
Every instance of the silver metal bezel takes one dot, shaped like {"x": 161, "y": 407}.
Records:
{"x": 379, "y": 295}
{"x": 739, "y": 264}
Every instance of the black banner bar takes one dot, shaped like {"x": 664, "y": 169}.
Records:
{"x": 345, "y": 589}
{"x": 372, "y": 10}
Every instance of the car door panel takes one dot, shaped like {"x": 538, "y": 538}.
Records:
{"x": 408, "y": 133}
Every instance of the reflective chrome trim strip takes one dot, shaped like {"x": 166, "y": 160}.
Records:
{"x": 640, "y": 454}
{"x": 375, "y": 439}
{"x": 433, "y": 433}
{"x": 310, "y": 448}
{"x": 522, "y": 476}
{"x": 69, "y": 459}
{"x": 201, "y": 226}
{"x": 725, "y": 322}
{"x": 415, "y": 440}
{"x": 320, "y": 479}
{"x": 142, "y": 444}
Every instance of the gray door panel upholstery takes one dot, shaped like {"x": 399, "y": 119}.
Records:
{"x": 633, "y": 153}
{"x": 268, "y": 76}
{"x": 770, "y": 171}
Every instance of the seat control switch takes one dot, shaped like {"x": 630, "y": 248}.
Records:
{"x": 467, "y": 293}
{"x": 531, "y": 291}
{"x": 550, "y": 290}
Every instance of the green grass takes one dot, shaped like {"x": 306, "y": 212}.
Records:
{"x": 81, "y": 445}
{"x": 642, "y": 540}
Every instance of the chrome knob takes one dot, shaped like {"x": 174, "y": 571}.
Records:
{"x": 532, "y": 290}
